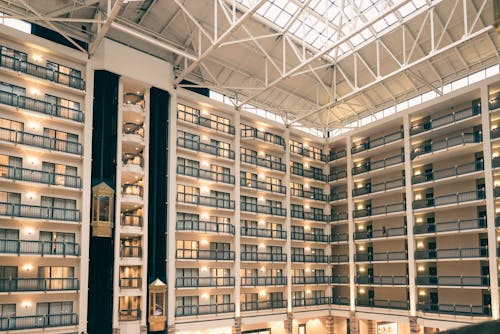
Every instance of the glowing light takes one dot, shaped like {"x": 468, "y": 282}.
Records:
{"x": 204, "y": 242}
{"x": 32, "y": 160}
{"x": 361, "y": 228}
{"x": 204, "y": 190}
{"x": 262, "y": 245}
{"x": 308, "y": 270}
{"x": 361, "y": 248}
{"x": 205, "y": 163}
{"x": 262, "y": 222}
{"x": 204, "y": 138}
{"x": 262, "y": 269}
{"x": 204, "y": 296}
{"x": 360, "y": 185}
{"x": 495, "y": 154}
{"x": 261, "y": 199}
{"x": 307, "y": 249}
{"x": 204, "y": 216}
{"x": 360, "y": 206}
{"x": 421, "y": 293}
{"x": 307, "y": 207}
{"x": 261, "y": 153}
{"x": 205, "y": 112}
{"x": 362, "y": 270}
{"x": 28, "y": 267}
{"x": 262, "y": 176}
{"x": 29, "y": 231}
{"x": 262, "y": 293}
{"x": 37, "y": 58}
{"x": 32, "y": 125}
{"x": 306, "y": 165}
{"x": 306, "y": 186}
{"x": 204, "y": 269}
{"x": 419, "y": 220}
{"x": 417, "y": 172}
{"x": 307, "y": 228}
{"x": 418, "y": 197}
{"x": 421, "y": 268}
{"x": 420, "y": 244}
{"x": 30, "y": 195}
{"x": 26, "y": 304}
{"x": 361, "y": 291}
{"x": 35, "y": 91}
{"x": 308, "y": 291}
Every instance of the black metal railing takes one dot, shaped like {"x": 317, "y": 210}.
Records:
{"x": 38, "y": 176}
{"x": 215, "y": 202}
{"x": 458, "y": 225}
{"x": 262, "y": 232}
{"x": 379, "y": 187}
{"x": 203, "y": 282}
{"x": 380, "y": 256}
{"x": 263, "y": 305}
{"x": 384, "y": 303}
{"x": 337, "y": 300}
{"x": 452, "y": 141}
{"x": 129, "y": 314}
{"x": 313, "y": 301}
{"x": 38, "y": 321}
{"x": 310, "y": 258}
{"x": 452, "y": 253}
{"x": 42, "y": 72}
{"x": 306, "y": 152}
{"x": 205, "y": 174}
{"x": 338, "y": 216}
{"x": 130, "y": 282}
{"x": 448, "y": 172}
{"x": 263, "y": 280}
{"x": 382, "y": 233}
{"x": 378, "y": 164}
{"x": 131, "y": 219}
{"x": 205, "y": 148}
{"x": 456, "y": 309}
{"x": 382, "y": 280}
{"x": 41, "y": 212}
{"x": 318, "y": 196}
{"x": 320, "y": 217}
{"x": 440, "y": 121}
{"x": 133, "y": 159}
{"x": 43, "y": 107}
{"x": 49, "y": 143}
{"x": 194, "y": 254}
{"x": 204, "y": 226}
{"x": 263, "y": 256}
{"x": 309, "y": 173}
{"x": 337, "y": 195}
{"x": 311, "y": 279}
{"x": 310, "y": 237}
{"x": 131, "y": 251}
{"x": 133, "y": 129}
{"x": 462, "y": 281}
{"x": 263, "y": 162}
{"x": 265, "y": 209}
{"x": 132, "y": 189}
{"x": 457, "y": 198}
{"x": 336, "y": 155}
{"x": 15, "y": 284}
{"x": 267, "y": 137}
{"x": 191, "y": 310}
{"x": 379, "y": 210}
{"x": 205, "y": 122}
{"x": 340, "y": 279}
{"x": 376, "y": 142}
{"x": 261, "y": 185}
{"x": 337, "y": 175}
{"x": 339, "y": 258}
{"x": 38, "y": 247}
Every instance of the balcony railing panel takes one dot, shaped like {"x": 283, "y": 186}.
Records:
{"x": 267, "y": 163}
{"x": 129, "y": 314}
{"x": 305, "y": 152}
{"x": 337, "y": 175}
{"x": 309, "y": 237}
{"x": 444, "y": 120}
{"x": 453, "y": 253}
{"x": 336, "y": 155}
{"x": 130, "y": 219}
{"x": 38, "y": 176}
{"x": 39, "y": 247}
{"x": 205, "y": 174}
{"x": 309, "y": 173}
{"x": 265, "y": 209}
{"x": 262, "y": 233}
{"x": 267, "y": 186}
{"x": 310, "y": 279}
{"x": 204, "y": 226}
{"x": 467, "y": 196}
{"x": 131, "y": 251}
{"x": 205, "y": 122}
{"x": 264, "y": 136}
{"x": 43, "y": 107}
{"x": 467, "y": 310}
{"x": 263, "y": 280}
{"x": 384, "y": 256}
{"x": 131, "y": 282}
{"x": 38, "y": 321}
{"x": 263, "y": 256}
{"x": 263, "y": 305}
{"x": 455, "y": 140}
{"x": 459, "y": 225}
{"x": 194, "y": 254}
{"x": 53, "y": 144}
{"x": 453, "y": 280}
{"x": 42, "y": 72}
{"x": 309, "y": 194}
{"x": 384, "y": 303}
{"x": 192, "y": 310}
{"x": 338, "y": 216}
{"x": 378, "y": 164}
{"x": 337, "y": 300}
{"x": 132, "y": 189}
{"x": 310, "y": 216}
{"x": 215, "y": 202}
{"x": 16, "y": 284}
{"x": 195, "y": 282}
{"x": 378, "y": 187}
{"x": 310, "y": 258}
{"x": 382, "y": 280}
{"x": 389, "y": 232}
{"x": 314, "y": 301}
{"x": 206, "y": 148}
{"x": 379, "y": 210}
{"x": 40, "y": 212}
{"x": 339, "y": 258}
{"x": 376, "y": 142}
{"x": 448, "y": 172}
{"x": 340, "y": 279}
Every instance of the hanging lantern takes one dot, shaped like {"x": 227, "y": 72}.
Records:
{"x": 102, "y": 210}
{"x": 156, "y": 314}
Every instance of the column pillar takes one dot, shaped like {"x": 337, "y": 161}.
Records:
{"x": 351, "y": 228}
{"x": 372, "y": 327}
{"x": 171, "y": 329}
{"x": 490, "y": 201}
{"x": 289, "y": 323}
{"x": 330, "y": 324}
{"x": 236, "y": 218}
{"x": 237, "y": 326}
{"x": 353, "y": 323}
{"x": 288, "y": 222}
{"x": 415, "y": 328}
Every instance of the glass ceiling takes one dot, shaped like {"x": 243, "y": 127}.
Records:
{"x": 318, "y": 23}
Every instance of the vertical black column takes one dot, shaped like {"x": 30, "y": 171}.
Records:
{"x": 101, "y": 257}
{"x": 158, "y": 185}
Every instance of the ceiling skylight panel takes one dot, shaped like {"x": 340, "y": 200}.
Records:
{"x": 407, "y": 9}
{"x": 272, "y": 13}
{"x": 283, "y": 19}
{"x": 367, "y": 34}
{"x": 391, "y": 19}
{"x": 380, "y": 25}
{"x": 263, "y": 9}
{"x": 357, "y": 39}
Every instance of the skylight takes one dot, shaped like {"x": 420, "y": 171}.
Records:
{"x": 318, "y": 24}
{"x": 15, "y": 23}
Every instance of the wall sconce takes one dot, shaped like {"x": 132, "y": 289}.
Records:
{"x": 306, "y": 165}
{"x": 204, "y": 190}
{"x": 307, "y": 249}
{"x": 308, "y": 291}
{"x": 205, "y": 112}
{"x": 262, "y": 293}
{"x": 30, "y": 195}
{"x": 262, "y": 246}
{"x": 204, "y": 138}
{"x": 417, "y": 172}
{"x": 204, "y": 296}
{"x": 421, "y": 268}
{"x": 262, "y": 222}
{"x": 419, "y": 220}
{"x": 29, "y": 231}
{"x": 261, "y": 153}
{"x": 26, "y": 304}
{"x": 262, "y": 176}
{"x": 360, "y": 206}
{"x": 35, "y": 91}
{"x": 32, "y": 125}
{"x": 306, "y": 186}
{"x": 204, "y": 216}
{"x": 360, "y": 185}
{"x": 361, "y": 248}
{"x": 307, "y": 228}
{"x": 27, "y": 267}
{"x": 361, "y": 228}
{"x": 204, "y": 269}
{"x": 420, "y": 244}
{"x": 495, "y": 154}
{"x": 261, "y": 199}
{"x": 361, "y": 269}
{"x": 308, "y": 270}
{"x": 37, "y": 58}
{"x": 421, "y": 293}
{"x": 418, "y": 197}
{"x": 262, "y": 269}
{"x": 204, "y": 163}
{"x": 307, "y": 207}
{"x": 361, "y": 291}
{"x": 204, "y": 242}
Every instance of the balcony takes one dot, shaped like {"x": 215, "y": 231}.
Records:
{"x": 337, "y": 196}
{"x": 336, "y": 155}
{"x": 131, "y": 251}
{"x": 205, "y": 122}
{"x": 339, "y": 258}
{"x": 38, "y": 212}
{"x": 17, "y": 284}
{"x": 194, "y": 310}
{"x": 132, "y": 193}
{"x": 129, "y": 314}
{"x": 495, "y": 162}
{"x": 382, "y": 280}
{"x": 130, "y": 282}
{"x": 337, "y": 300}
{"x": 447, "y": 119}
{"x": 453, "y": 281}
{"x": 215, "y": 202}
{"x": 265, "y": 209}
{"x": 263, "y": 281}
{"x": 263, "y": 256}
{"x": 195, "y": 254}
{"x": 379, "y": 187}
{"x": 267, "y": 137}
{"x": 320, "y": 217}
{"x": 36, "y": 247}
{"x": 495, "y": 133}
{"x": 203, "y": 282}
{"x": 309, "y": 173}
{"x": 133, "y": 163}
{"x": 384, "y": 303}
{"x": 381, "y": 257}
{"x": 310, "y": 279}
{"x": 314, "y": 301}
{"x": 443, "y": 144}
{"x": 494, "y": 103}
{"x": 309, "y": 194}
{"x": 338, "y": 175}
{"x": 309, "y": 237}
{"x": 205, "y": 174}
{"x": 205, "y": 148}
{"x": 310, "y": 258}
{"x": 38, "y": 176}
{"x": 263, "y": 305}
{"x": 448, "y": 172}
{"x": 340, "y": 279}
{"x": 262, "y": 233}
{"x": 204, "y": 226}
{"x": 42, "y": 72}
{"x": 378, "y": 164}
{"x": 262, "y": 162}
{"x": 496, "y": 191}
{"x": 458, "y": 225}
{"x": 133, "y": 132}
{"x": 455, "y": 309}
{"x": 49, "y": 143}
{"x": 131, "y": 219}
{"x": 453, "y": 253}
{"x": 43, "y": 107}
{"x": 305, "y": 152}
{"x": 260, "y": 185}
{"x": 376, "y": 142}
{"x": 338, "y": 216}
{"x": 382, "y": 233}
{"x": 458, "y": 198}
{"x": 38, "y": 321}
{"x": 379, "y": 210}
